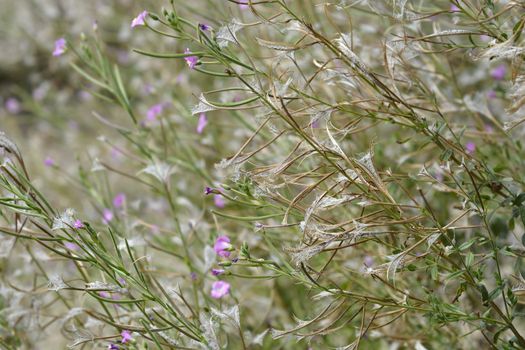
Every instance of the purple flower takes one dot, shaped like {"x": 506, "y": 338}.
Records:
{"x": 243, "y": 4}
{"x": 113, "y": 347}
{"x": 12, "y": 105}
{"x": 499, "y": 72}
{"x": 218, "y": 200}
{"x": 73, "y": 125}
{"x": 104, "y": 294}
{"x": 484, "y": 38}
{"x": 190, "y": 60}
{"x": 126, "y": 336}
{"x": 368, "y": 261}
{"x": 470, "y": 147}
{"x": 107, "y": 216}
{"x": 217, "y": 272}
{"x": 140, "y": 20}
{"x": 154, "y": 111}
{"x": 203, "y": 121}
{"x": 222, "y": 246}
{"x": 454, "y": 8}
{"x": 219, "y": 289}
{"x": 60, "y": 47}
{"x": 85, "y": 95}
{"x": 119, "y": 200}
{"x": 116, "y": 154}
{"x": 78, "y": 224}
{"x": 149, "y": 89}
{"x": 208, "y": 190}
{"x": 49, "y": 161}
{"x": 193, "y": 276}
{"x": 204, "y": 27}
{"x": 181, "y": 78}
{"x": 40, "y": 92}
{"x": 71, "y": 246}
{"x": 123, "y": 57}
{"x": 491, "y": 94}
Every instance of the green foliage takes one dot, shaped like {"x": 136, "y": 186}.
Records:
{"x": 348, "y": 184}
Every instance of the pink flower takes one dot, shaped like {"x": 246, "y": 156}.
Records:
{"x": 12, "y": 105}
{"x": 470, "y": 147}
{"x": 126, "y": 336}
{"x": 218, "y": 200}
{"x": 119, "y": 200}
{"x": 499, "y": 72}
{"x": 49, "y": 161}
{"x": 78, "y": 224}
{"x": 140, "y": 20}
{"x": 222, "y": 246}
{"x": 219, "y": 289}
{"x": 190, "y": 60}
{"x": 104, "y": 294}
{"x": 203, "y": 121}
{"x": 107, "y": 215}
{"x": 60, "y": 47}
{"x": 154, "y": 111}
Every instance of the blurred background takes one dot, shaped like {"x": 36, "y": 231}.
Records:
{"x": 65, "y": 133}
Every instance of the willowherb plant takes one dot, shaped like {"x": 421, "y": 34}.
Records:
{"x": 363, "y": 159}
